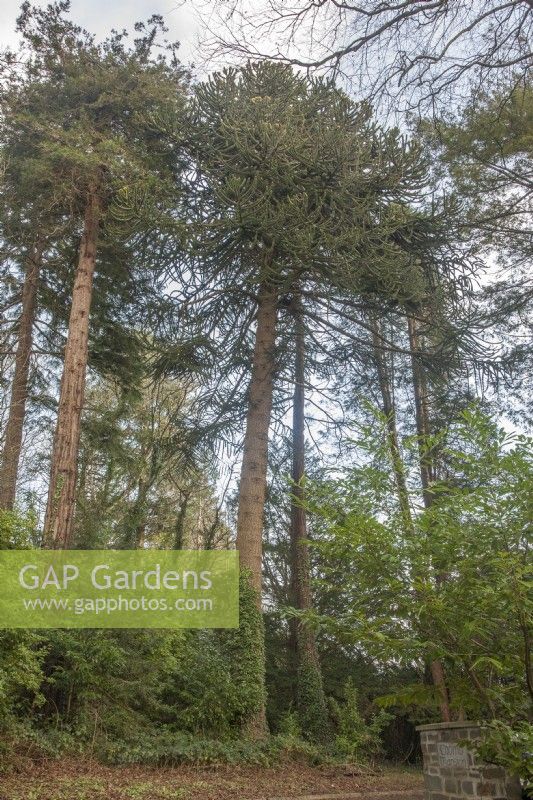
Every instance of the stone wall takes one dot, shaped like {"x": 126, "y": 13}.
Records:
{"x": 452, "y": 772}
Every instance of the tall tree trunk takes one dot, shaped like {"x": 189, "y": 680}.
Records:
{"x": 249, "y": 644}
{"x": 311, "y": 701}
{"x": 423, "y": 430}
{"x": 19, "y": 388}
{"x": 423, "y": 427}
{"x": 138, "y": 520}
{"x": 390, "y": 413}
{"x": 62, "y": 489}
{"x": 179, "y": 532}
{"x": 439, "y": 680}
{"x": 252, "y": 487}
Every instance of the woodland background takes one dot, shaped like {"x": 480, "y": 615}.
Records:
{"x": 283, "y": 308}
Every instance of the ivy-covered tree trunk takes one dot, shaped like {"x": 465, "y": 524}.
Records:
{"x": 311, "y": 701}
{"x": 423, "y": 430}
{"x": 62, "y": 489}
{"x": 252, "y": 494}
{"x": 19, "y": 388}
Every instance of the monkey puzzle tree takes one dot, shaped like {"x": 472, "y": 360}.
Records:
{"x": 294, "y": 184}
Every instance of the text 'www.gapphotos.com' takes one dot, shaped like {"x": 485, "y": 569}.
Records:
{"x": 110, "y": 605}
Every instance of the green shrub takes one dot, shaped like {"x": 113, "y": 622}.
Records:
{"x": 171, "y": 748}
{"x": 99, "y": 685}
{"x": 202, "y": 696}
{"x": 17, "y": 530}
{"x": 289, "y": 725}
{"x": 356, "y": 738}
{"x": 167, "y": 748}
{"x": 21, "y": 676}
{"x": 511, "y": 748}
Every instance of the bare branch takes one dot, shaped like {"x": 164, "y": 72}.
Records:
{"x": 422, "y": 52}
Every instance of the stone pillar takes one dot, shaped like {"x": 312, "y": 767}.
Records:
{"x": 452, "y": 772}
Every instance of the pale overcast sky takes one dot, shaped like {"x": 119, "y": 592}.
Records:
{"x": 99, "y": 16}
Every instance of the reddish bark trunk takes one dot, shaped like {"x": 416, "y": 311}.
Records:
{"x": 300, "y": 583}
{"x": 62, "y": 488}
{"x": 300, "y": 565}
{"x": 303, "y": 637}
{"x": 301, "y": 590}
{"x": 19, "y": 388}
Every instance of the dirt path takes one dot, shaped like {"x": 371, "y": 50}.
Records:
{"x": 410, "y": 794}
{"x": 82, "y": 780}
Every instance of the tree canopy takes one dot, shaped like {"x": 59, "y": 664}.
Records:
{"x": 246, "y": 313}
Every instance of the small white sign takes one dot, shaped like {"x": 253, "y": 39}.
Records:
{"x": 450, "y": 755}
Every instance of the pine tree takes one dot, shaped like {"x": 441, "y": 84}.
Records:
{"x": 100, "y": 113}
{"x": 30, "y": 213}
{"x": 19, "y": 387}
